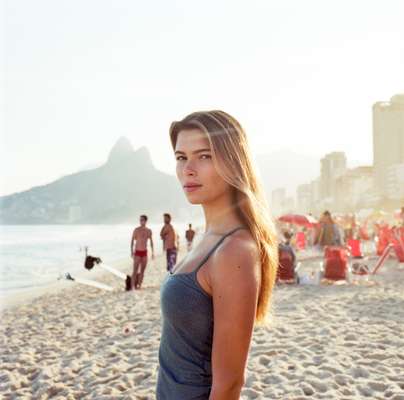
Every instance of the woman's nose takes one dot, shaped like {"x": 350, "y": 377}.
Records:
{"x": 189, "y": 168}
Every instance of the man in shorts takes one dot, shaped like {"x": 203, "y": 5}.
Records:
{"x": 140, "y": 237}
{"x": 170, "y": 242}
{"x": 189, "y": 236}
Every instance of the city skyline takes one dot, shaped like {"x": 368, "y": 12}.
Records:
{"x": 377, "y": 185}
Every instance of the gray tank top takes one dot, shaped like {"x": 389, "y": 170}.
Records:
{"x": 185, "y": 370}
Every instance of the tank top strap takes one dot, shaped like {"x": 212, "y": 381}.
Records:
{"x": 216, "y": 246}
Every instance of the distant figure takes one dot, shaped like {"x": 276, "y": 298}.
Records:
{"x": 286, "y": 247}
{"x": 328, "y": 233}
{"x": 189, "y": 235}
{"x": 140, "y": 235}
{"x": 170, "y": 242}
{"x": 349, "y": 227}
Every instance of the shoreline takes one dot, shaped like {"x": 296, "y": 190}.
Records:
{"x": 22, "y": 297}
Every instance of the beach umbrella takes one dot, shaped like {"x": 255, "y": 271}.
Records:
{"x": 298, "y": 219}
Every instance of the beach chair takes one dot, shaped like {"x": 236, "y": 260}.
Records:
{"x": 287, "y": 271}
{"x": 362, "y": 268}
{"x": 354, "y": 246}
{"x": 335, "y": 265}
{"x": 383, "y": 257}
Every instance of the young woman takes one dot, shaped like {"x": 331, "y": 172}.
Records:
{"x": 213, "y": 297}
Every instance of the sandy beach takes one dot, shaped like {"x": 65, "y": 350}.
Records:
{"x": 341, "y": 341}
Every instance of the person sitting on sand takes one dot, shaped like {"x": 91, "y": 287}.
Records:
{"x": 170, "y": 241}
{"x": 286, "y": 247}
{"x": 219, "y": 291}
{"x": 189, "y": 236}
{"x": 140, "y": 235}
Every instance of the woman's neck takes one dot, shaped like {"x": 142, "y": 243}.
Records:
{"x": 220, "y": 216}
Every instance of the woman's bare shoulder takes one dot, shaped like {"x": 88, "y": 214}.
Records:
{"x": 238, "y": 252}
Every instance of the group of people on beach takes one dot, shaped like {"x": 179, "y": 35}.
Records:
{"x": 139, "y": 242}
{"x": 327, "y": 233}
{"x": 334, "y": 232}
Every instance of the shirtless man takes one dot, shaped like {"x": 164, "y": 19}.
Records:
{"x": 140, "y": 235}
{"x": 189, "y": 235}
{"x": 170, "y": 242}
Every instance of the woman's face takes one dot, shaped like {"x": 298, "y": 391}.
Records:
{"x": 195, "y": 169}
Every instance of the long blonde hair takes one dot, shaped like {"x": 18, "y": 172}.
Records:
{"x": 233, "y": 161}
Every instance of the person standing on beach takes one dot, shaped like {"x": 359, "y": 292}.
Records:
{"x": 189, "y": 236}
{"x": 140, "y": 237}
{"x": 328, "y": 233}
{"x": 170, "y": 242}
{"x": 219, "y": 291}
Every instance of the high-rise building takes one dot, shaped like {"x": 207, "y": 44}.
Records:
{"x": 333, "y": 165}
{"x": 388, "y": 140}
{"x": 352, "y": 188}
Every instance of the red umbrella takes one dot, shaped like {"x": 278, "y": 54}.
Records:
{"x": 304, "y": 220}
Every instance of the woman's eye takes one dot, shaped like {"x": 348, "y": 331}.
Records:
{"x": 203, "y": 156}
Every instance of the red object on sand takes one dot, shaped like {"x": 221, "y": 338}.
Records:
{"x": 399, "y": 252}
{"x": 384, "y": 236}
{"x": 335, "y": 263}
{"x": 303, "y": 220}
{"x": 286, "y": 269}
{"x": 300, "y": 240}
{"x": 355, "y": 247}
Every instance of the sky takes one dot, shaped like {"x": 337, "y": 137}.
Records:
{"x": 298, "y": 75}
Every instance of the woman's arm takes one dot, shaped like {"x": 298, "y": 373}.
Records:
{"x": 235, "y": 281}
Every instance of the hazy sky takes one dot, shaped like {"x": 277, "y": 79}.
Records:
{"x": 297, "y": 74}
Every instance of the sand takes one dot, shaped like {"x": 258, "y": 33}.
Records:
{"x": 325, "y": 342}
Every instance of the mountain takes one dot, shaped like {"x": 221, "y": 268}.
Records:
{"x": 126, "y": 186}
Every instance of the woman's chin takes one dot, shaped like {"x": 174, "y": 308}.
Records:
{"x": 193, "y": 199}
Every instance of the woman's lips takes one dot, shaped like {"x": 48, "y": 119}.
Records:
{"x": 191, "y": 188}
